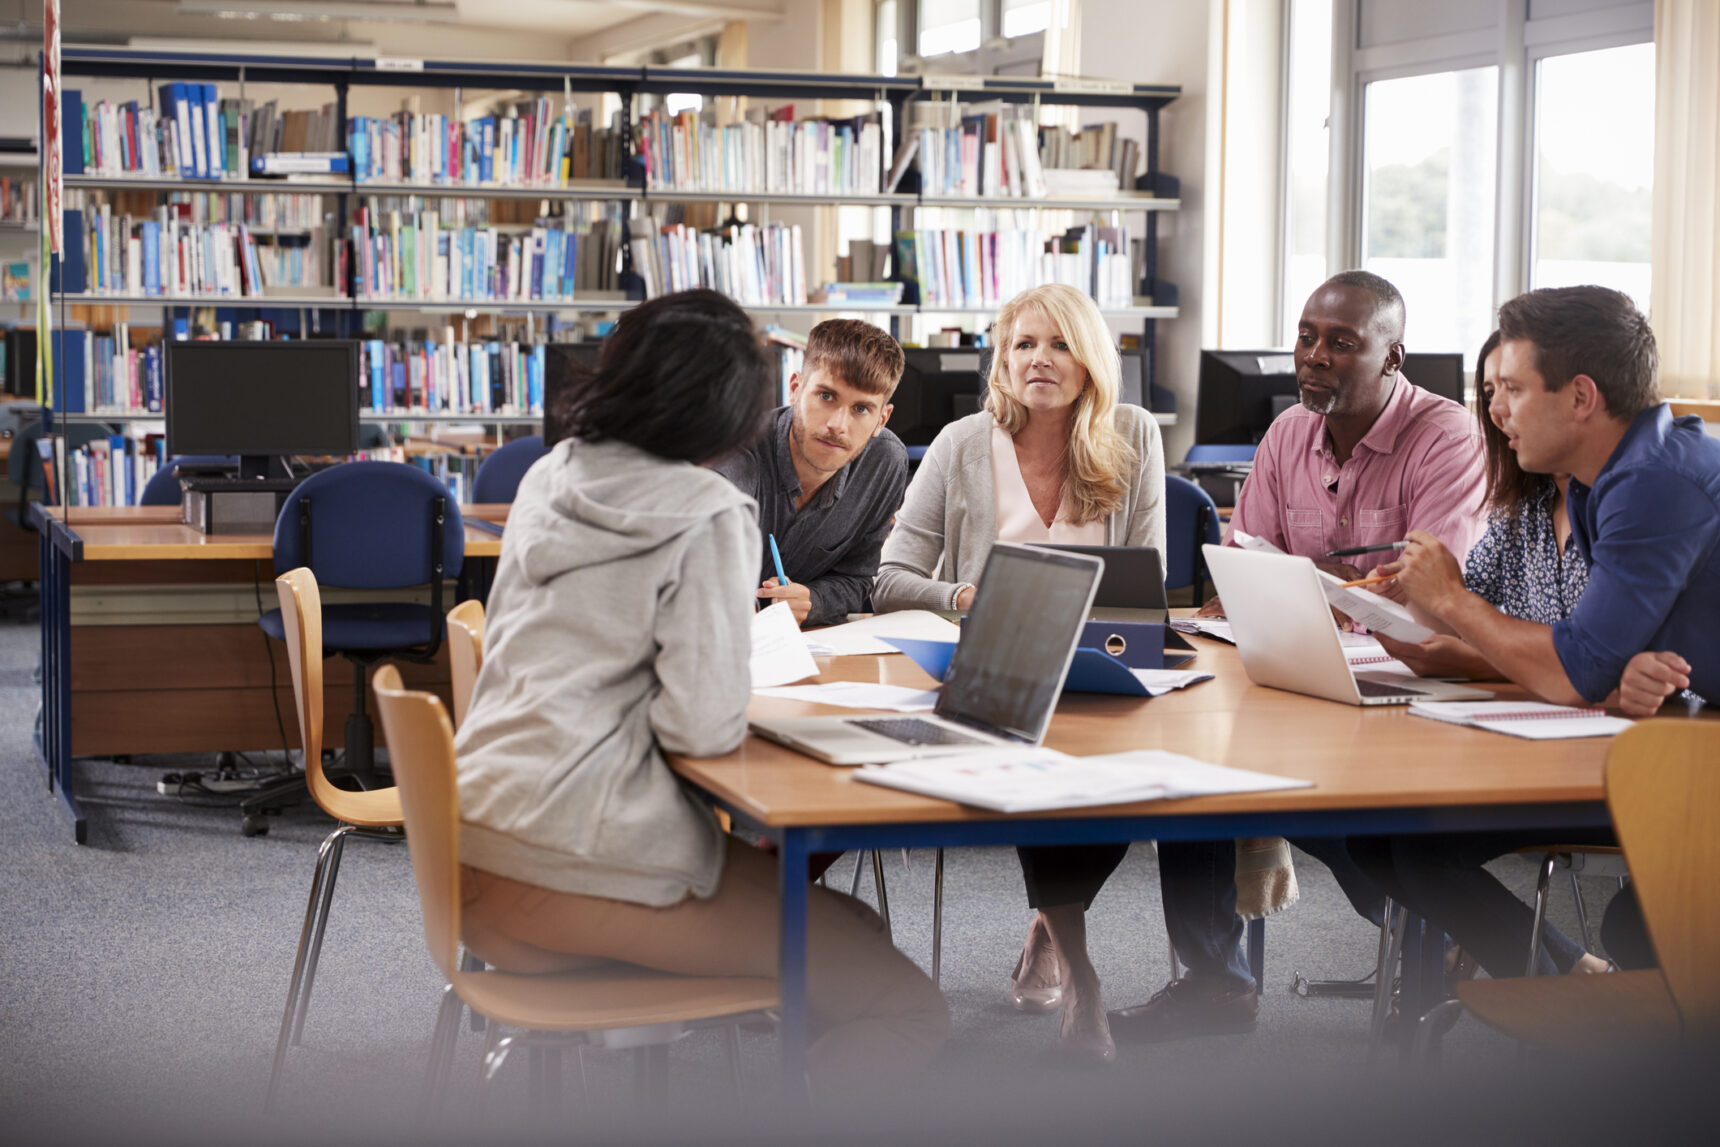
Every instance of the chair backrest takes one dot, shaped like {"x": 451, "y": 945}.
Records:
{"x": 370, "y": 525}
{"x": 499, "y": 475}
{"x": 465, "y": 653}
{"x": 162, "y": 489}
{"x": 1663, "y": 789}
{"x": 1219, "y": 452}
{"x": 1191, "y": 520}
{"x": 301, "y": 617}
{"x": 421, "y": 751}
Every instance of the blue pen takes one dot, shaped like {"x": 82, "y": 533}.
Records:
{"x": 776, "y": 556}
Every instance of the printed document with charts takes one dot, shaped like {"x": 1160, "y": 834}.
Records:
{"x": 1038, "y": 779}
{"x": 1378, "y": 614}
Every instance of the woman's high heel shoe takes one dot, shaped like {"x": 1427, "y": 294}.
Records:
{"x": 1089, "y": 1046}
{"x": 1034, "y": 1001}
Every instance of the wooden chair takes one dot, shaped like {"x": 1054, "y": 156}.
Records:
{"x": 617, "y": 1005}
{"x": 465, "y": 653}
{"x": 361, "y": 813}
{"x": 1663, "y": 789}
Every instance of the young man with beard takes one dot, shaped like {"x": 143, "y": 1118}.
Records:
{"x": 827, "y": 476}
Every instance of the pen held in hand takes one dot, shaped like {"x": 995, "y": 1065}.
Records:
{"x": 776, "y": 556}
{"x": 1379, "y": 547}
{"x": 1369, "y": 580}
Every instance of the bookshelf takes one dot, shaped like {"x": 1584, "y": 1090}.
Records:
{"x": 630, "y": 200}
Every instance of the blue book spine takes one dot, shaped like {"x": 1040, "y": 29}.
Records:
{"x": 569, "y": 264}
{"x": 67, "y": 273}
{"x": 378, "y": 363}
{"x": 216, "y": 146}
{"x": 487, "y": 160}
{"x": 152, "y": 379}
{"x": 71, "y": 382}
{"x": 534, "y": 268}
{"x": 72, "y": 132}
{"x": 151, "y": 258}
{"x": 536, "y": 375}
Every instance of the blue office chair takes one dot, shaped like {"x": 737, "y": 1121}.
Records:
{"x": 1219, "y": 452}
{"x": 1191, "y": 519}
{"x": 499, "y": 475}
{"x": 162, "y": 489}
{"x": 366, "y": 525}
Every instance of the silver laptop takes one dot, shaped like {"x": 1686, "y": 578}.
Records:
{"x": 1004, "y": 677}
{"x": 1133, "y": 585}
{"x": 1283, "y": 627}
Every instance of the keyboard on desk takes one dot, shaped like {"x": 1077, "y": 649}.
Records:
{"x": 914, "y": 731}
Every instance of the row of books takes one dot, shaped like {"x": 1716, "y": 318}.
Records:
{"x": 689, "y": 151}
{"x": 18, "y": 202}
{"x": 530, "y": 146}
{"x": 104, "y": 373}
{"x": 107, "y": 472}
{"x": 427, "y": 376}
{"x": 412, "y": 256}
{"x": 455, "y": 471}
{"x": 123, "y": 255}
{"x": 981, "y": 270}
{"x": 756, "y": 266}
{"x": 985, "y": 156}
{"x": 192, "y": 134}
{"x": 266, "y": 212}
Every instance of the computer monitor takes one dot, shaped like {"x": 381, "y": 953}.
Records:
{"x": 939, "y": 385}
{"x": 263, "y": 401}
{"x": 564, "y": 364}
{"x": 1440, "y": 373}
{"x": 1241, "y": 392}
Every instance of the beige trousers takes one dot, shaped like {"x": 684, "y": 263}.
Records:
{"x": 871, "y": 1010}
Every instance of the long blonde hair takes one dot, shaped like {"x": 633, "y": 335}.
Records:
{"x": 1100, "y": 461}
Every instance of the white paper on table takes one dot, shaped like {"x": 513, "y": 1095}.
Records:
{"x": 1531, "y": 720}
{"x": 1032, "y": 780}
{"x": 1214, "y": 627}
{"x": 860, "y": 695}
{"x": 1252, "y": 542}
{"x": 863, "y": 636}
{"x": 779, "y": 653}
{"x": 1162, "y": 681}
{"x": 1380, "y": 614}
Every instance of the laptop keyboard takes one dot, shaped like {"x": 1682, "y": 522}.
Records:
{"x": 913, "y": 731}
{"x": 1379, "y": 689}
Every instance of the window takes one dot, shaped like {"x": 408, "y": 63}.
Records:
{"x": 949, "y": 26}
{"x": 889, "y": 48}
{"x": 1429, "y": 162}
{"x": 1307, "y": 151}
{"x": 1594, "y": 170}
{"x": 1024, "y": 17}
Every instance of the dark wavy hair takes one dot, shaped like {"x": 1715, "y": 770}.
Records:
{"x": 1509, "y": 487}
{"x": 681, "y": 376}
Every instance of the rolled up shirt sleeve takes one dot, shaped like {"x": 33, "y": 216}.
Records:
{"x": 1654, "y": 529}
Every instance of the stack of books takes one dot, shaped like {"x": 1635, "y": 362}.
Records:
{"x": 18, "y": 200}
{"x": 755, "y": 266}
{"x": 879, "y": 294}
{"x": 425, "y": 375}
{"x": 991, "y": 152}
{"x": 689, "y": 151}
{"x": 529, "y": 146}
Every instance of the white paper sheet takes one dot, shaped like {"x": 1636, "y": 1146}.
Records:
{"x": 1380, "y": 614}
{"x": 857, "y": 637}
{"x": 860, "y": 695}
{"x": 1033, "y": 780}
{"x": 779, "y": 653}
{"x": 1162, "y": 681}
{"x": 1215, "y": 627}
{"x": 1531, "y": 720}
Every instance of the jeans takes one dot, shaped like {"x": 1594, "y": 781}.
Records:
{"x": 1439, "y": 877}
{"x": 1197, "y": 879}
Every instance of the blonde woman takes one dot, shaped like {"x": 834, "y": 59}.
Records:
{"x": 1053, "y": 457}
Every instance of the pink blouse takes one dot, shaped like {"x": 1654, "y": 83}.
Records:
{"x": 1017, "y": 520}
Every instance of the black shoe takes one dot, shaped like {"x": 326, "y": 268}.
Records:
{"x": 1185, "y": 1008}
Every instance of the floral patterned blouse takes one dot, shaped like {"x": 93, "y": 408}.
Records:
{"x": 1518, "y": 568}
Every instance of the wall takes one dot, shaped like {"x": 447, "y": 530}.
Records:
{"x": 1172, "y": 46}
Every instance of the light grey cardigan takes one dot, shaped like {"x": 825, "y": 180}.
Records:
{"x": 948, "y": 520}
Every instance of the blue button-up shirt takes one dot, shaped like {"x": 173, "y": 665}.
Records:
{"x": 1650, "y": 528}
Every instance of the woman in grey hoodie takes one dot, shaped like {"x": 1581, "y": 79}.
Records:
{"x": 619, "y": 629}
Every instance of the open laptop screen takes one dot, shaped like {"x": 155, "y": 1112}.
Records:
{"x": 1017, "y": 641}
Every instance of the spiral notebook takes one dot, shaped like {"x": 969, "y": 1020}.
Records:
{"x": 1533, "y": 720}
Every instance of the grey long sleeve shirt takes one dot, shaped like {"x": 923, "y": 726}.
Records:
{"x": 832, "y": 545}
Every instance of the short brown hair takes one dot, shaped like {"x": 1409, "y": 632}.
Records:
{"x": 1588, "y": 330}
{"x": 856, "y": 353}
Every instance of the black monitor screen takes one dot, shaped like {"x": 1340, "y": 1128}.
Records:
{"x": 939, "y": 385}
{"x": 1237, "y": 392}
{"x": 1440, "y": 373}
{"x": 262, "y": 398}
{"x": 564, "y": 364}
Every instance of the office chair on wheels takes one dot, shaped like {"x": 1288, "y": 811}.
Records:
{"x": 366, "y": 526}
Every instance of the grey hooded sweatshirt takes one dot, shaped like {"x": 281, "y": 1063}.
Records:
{"x": 618, "y": 629}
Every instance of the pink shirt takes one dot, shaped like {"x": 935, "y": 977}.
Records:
{"x": 1017, "y": 520}
{"x": 1420, "y": 467}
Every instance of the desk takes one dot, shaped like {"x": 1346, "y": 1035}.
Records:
{"x": 1375, "y": 770}
{"x": 156, "y": 684}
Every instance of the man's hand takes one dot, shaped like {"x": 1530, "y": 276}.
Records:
{"x": 797, "y": 594}
{"x": 1440, "y": 656}
{"x": 1649, "y": 679}
{"x": 1212, "y": 608}
{"x": 1427, "y": 572}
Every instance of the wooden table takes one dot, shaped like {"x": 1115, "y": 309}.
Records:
{"x": 156, "y": 684}
{"x": 1375, "y": 770}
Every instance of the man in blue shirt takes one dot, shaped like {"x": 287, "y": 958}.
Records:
{"x": 1577, "y": 385}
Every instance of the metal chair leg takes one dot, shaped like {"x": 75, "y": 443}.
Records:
{"x": 732, "y": 1056}
{"x": 471, "y": 963}
{"x": 938, "y": 917}
{"x": 442, "y": 1042}
{"x": 304, "y": 961}
{"x": 336, "y": 845}
{"x": 651, "y": 1075}
{"x": 1396, "y": 923}
{"x": 1582, "y": 911}
{"x": 859, "y": 869}
{"x": 883, "y": 893}
{"x": 1541, "y": 883}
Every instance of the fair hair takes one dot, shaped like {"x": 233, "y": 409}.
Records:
{"x": 1099, "y": 460}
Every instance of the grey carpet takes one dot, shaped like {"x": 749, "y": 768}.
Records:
{"x": 143, "y": 976}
